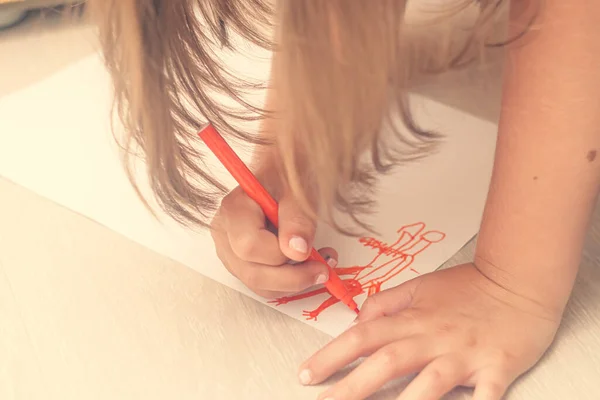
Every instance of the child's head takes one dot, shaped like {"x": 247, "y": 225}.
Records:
{"x": 341, "y": 74}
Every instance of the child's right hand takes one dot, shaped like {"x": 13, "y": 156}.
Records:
{"x": 258, "y": 257}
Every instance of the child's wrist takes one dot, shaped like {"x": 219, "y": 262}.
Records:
{"x": 548, "y": 300}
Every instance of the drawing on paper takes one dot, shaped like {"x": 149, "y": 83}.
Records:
{"x": 388, "y": 262}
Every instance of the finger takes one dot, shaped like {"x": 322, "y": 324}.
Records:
{"x": 438, "y": 378}
{"x": 358, "y": 341}
{"x": 330, "y": 256}
{"x": 285, "y": 278}
{"x": 288, "y": 279}
{"x": 246, "y": 230}
{"x": 296, "y": 230}
{"x": 491, "y": 385}
{"x": 264, "y": 279}
{"x": 388, "y": 302}
{"x": 390, "y": 362}
{"x": 271, "y": 295}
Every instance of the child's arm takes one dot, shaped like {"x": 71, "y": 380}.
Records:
{"x": 547, "y": 168}
{"x": 246, "y": 245}
{"x": 483, "y": 324}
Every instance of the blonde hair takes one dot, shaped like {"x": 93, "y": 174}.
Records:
{"x": 342, "y": 73}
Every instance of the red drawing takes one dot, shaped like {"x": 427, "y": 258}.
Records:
{"x": 389, "y": 261}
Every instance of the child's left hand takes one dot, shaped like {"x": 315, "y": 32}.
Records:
{"x": 456, "y": 326}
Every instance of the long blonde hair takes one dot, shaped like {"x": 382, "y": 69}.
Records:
{"x": 342, "y": 75}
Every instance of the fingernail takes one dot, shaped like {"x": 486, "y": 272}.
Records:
{"x": 332, "y": 262}
{"x": 305, "y": 377}
{"x": 321, "y": 279}
{"x": 299, "y": 244}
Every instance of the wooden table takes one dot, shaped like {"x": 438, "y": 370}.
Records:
{"x": 87, "y": 314}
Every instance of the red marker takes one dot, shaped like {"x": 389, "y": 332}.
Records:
{"x": 259, "y": 194}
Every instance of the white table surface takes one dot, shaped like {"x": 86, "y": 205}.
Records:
{"x": 88, "y": 314}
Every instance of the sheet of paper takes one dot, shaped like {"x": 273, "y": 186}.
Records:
{"x": 55, "y": 139}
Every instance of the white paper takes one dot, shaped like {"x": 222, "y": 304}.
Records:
{"x": 55, "y": 139}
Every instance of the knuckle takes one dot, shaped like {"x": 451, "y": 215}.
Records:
{"x": 418, "y": 321}
{"x": 388, "y": 357}
{"x": 228, "y": 201}
{"x": 435, "y": 378}
{"x": 301, "y": 222}
{"x": 471, "y": 340}
{"x": 357, "y": 336}
{"x": 502, "y": 359}
{"x": 244, "y": 246}
{"x": 372, "y": 304}
{"x": 233, "y": 201}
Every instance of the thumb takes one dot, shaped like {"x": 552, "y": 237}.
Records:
{"x": 296, "y": 230}
{"x": 388, "y": 302}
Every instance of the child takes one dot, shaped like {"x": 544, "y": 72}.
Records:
{"x": 341, "y": 68}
